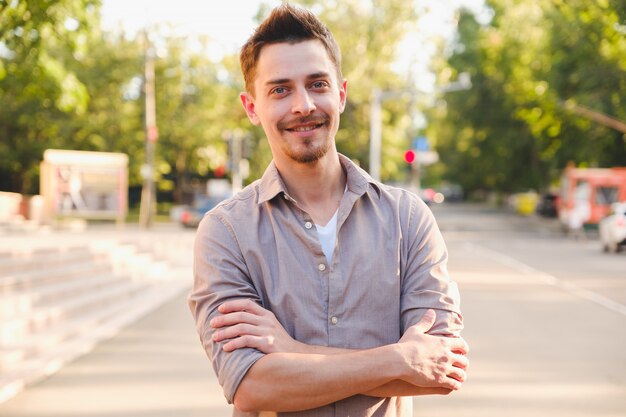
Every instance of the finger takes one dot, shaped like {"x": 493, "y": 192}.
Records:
{"x": 242, "y": 304}
{"x": 242, "y": 342}
{"x": 235, "y": 331}
{"x": 460, "y": 346}
{"x": 457, "y": 374}
{"x": 461, "y": 361}
{"x": 426, "y": 322}
{"x": 451, "y": 383}
{"x": 231, "y": 319}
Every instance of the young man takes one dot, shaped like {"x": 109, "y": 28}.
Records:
{"x": 318, "y": 290}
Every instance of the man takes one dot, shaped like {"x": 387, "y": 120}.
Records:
{"x": 318, "y": 290}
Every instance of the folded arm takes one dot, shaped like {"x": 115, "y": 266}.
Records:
{"x": 295, "y": 376}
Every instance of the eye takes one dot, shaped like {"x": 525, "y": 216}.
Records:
{"x": 279, "y": 90}
{"x": 319, "y": 85}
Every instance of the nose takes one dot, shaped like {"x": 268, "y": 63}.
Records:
{"x": 303, "y": 102}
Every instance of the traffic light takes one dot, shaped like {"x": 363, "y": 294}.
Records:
{"x": 409, "y": 156}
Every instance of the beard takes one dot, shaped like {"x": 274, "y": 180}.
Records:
{"x": 310, "y": 154}
{"x": 308, "y": 150}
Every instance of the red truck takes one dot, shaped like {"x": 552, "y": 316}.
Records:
{"x": 589, "y": 192}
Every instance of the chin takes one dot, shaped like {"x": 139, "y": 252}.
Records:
{"x": 309, "y": 156}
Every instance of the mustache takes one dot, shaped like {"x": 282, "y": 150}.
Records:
{"x": 316, "y": 119}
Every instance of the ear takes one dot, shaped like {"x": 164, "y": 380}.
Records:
{"x": 343, "y": 95}
{"x": 248, "y": 104}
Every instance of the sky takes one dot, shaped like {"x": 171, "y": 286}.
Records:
{"x": 229, "y": 23}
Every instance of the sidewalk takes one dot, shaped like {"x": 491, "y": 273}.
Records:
{"x": 156, "y": 367}
{"x": 153, "y": 368}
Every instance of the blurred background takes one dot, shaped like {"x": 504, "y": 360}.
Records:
{"x": 120, "y": 123}
{"x": 507, "y": 94}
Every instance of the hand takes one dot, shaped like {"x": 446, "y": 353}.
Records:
{"x": 433, "y": 361}
{"x": 247, "y": 324}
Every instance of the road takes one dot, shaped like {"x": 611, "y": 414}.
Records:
{"x": 545, "y": 319}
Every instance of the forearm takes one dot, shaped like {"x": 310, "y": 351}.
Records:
{"x": 399, "y": 388}
{"x": 293, "y": 376}
{"x": 395, "y": 388}
{"x": 297, "y": 381}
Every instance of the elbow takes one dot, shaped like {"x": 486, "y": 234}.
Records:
{"x": 245, "y": 400}
{"x": 243, "y": 404}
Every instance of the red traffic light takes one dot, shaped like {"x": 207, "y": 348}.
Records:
{"x": 409, "y": 156}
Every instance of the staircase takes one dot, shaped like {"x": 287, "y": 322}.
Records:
{"x": 58, "y": 300}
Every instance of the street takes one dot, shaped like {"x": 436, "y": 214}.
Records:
{"x": 545, "y": 319}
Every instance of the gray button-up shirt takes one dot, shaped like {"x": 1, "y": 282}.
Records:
{"x": 388, "y": 267}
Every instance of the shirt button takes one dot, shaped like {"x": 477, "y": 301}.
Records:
{"x": 321, "y": 267}
{"x": 308, "y": 225}
{"x": 334, "y": 320}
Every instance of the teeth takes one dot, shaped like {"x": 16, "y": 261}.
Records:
{"x": 303, "y": 129}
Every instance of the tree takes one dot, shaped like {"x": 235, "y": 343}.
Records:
{"x": 38, "y": 93}
{"x": 510, "y": 132}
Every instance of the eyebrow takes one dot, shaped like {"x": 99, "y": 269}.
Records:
{"x": 321, "y": 74}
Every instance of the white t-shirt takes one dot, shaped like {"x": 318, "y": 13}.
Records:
{"x": 328, "y": 235}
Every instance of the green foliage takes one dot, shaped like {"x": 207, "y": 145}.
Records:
{"x": 511, "y": 131}
{"x": 64, "y": 83}
{"x": 38, "y": 92}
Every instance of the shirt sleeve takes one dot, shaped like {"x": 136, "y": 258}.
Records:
{"x": 426, "y": 283}
{"x": 220, "y": 274}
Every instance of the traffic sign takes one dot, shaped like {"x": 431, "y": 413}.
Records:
{"x": 420, "y": 144}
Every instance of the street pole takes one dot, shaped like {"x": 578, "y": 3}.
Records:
{"x": 375, "y": 133}
{"x": 376, "y": 100}
{"x": 147, "y": 209}
{"x": 237, "y": 181}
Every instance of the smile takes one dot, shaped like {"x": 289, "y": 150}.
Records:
{"x": 304, "y": 128}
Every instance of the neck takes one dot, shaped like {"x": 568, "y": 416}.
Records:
{"x": 317, "y": 187}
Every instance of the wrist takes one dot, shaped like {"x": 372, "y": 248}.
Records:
{"x": 299, "y": 347}
{"x": 400, "y": 365}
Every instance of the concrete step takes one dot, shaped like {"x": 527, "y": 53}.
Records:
{"x": 12, "y": 355}
{"x": 57, "y": 302}
{"x": 11, "y": 331}
{"x": 91, "y": 330}
{"x": 36, "y": 344}
{"x": 21, "y": 302}
{"x": 21, "y": 261}
{"x": 69, "y": 270}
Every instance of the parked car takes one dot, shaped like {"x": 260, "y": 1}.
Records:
{"x": 547, "y": 206}
{"x": 452, "y": 192}
{"x": 612, "y": 228}
{"x": 191, "y": 216}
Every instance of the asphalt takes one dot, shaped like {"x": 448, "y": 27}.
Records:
{"x": 156, "y": 366}
{"x": 152, "y": 368}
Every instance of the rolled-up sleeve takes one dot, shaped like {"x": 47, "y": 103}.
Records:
{"x": 426, "y": 283}
{"x": 220, "y": 274}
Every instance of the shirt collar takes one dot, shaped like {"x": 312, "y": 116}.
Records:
{"x": 358, "y": 181}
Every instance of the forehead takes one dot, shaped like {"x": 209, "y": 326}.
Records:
{"x": 292, "y": 61}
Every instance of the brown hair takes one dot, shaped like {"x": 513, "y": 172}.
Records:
{"x": 290, "y": 24}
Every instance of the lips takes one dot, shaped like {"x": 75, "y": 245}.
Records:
{"x": 304, "y": 128}
{"x": 304, "y": 124}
